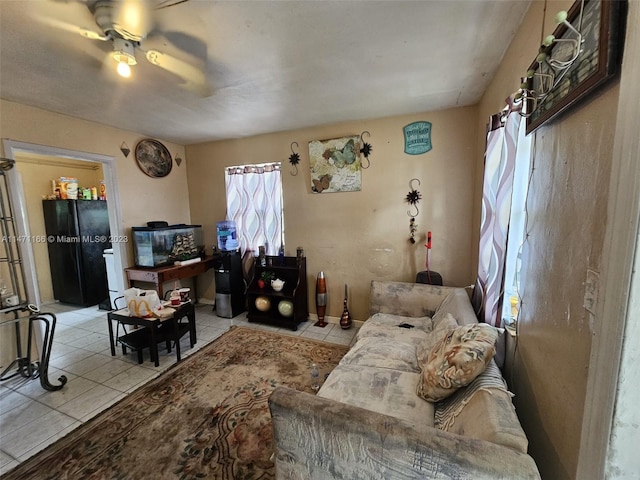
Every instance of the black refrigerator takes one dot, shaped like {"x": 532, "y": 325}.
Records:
{"x": 77, "y": 234}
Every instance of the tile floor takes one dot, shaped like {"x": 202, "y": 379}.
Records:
{"x": 32, "y": 418}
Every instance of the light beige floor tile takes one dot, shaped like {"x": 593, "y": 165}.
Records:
{"x": 87, "y": 364}
{"x": 32, "y": 388}
{"x": 98, "y": 325}
{"x": 8, "y": 465}
{"x": 57, "y": 436}
{"x": 10, "y": 399}
{"x": 131, "y": 378}
{"x": 314, "y": 335}
{"x": 326, "y": 330}
{"x": 60, "y": 349}
{"x": 64, "y": 361}
{"x": 89, "y": 401}
{"x": 69, "y": 335}
{"x": 93, "y": 311}
{"x": 5, "y": 459}
{"x": 101, "y": 346}
{"x": 205, "y": 334}
{"x": 20, "y": 441}
{"x": 69, "y": 318}
{"x": 25, "y": 413}
{"x": 107, "y": 370}
{"x": 104, "y": 406}
{"x": 337, "y": 331}
{"x": 71, "y": 390}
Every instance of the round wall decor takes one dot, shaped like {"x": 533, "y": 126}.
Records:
{"x": 153, "y": 158}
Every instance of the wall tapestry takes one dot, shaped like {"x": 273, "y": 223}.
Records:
{"x": 335, "y": 165}
{"x": 417, "y": 138}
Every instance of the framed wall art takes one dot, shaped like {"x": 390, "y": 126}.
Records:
{"x": 335, "y": 165}
{"x": 153, "y": 158}
{"x": 417, "y": 138}
{"x": 601, "y": 25}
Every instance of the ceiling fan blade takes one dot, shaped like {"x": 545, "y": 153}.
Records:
{"x": 194, "y": 78}
{"x": 69, "y": 27}
{"x": 132, "y": 19}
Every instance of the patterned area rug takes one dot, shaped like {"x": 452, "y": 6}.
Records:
{"x": 207, "y": 417}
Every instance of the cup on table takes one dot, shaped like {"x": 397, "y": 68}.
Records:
{"x": 175, "y": 297}
{"x": 184, "y": 294}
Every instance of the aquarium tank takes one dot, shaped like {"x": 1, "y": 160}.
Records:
{"x": 159, "y": 246}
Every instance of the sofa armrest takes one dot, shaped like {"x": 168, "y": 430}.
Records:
{"x": 318, "y": 438}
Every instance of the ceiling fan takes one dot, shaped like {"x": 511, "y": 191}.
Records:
{"x": 126, "y": 24}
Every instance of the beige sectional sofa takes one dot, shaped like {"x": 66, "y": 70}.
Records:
{"x": 368, "y": 422}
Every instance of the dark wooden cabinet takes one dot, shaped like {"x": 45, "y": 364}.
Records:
{"x": 293, "y": 271}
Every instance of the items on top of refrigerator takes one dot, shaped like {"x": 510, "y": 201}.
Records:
{"x": 66, "y": 188}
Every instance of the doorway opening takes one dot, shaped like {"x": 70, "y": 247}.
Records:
{"x": 25, "y": 155}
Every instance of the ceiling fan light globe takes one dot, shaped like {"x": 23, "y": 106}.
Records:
{"x": 124, "y": 70}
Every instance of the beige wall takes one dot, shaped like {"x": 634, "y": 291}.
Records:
{"x": 567, "y": 210}
{"x": 356, "y": 237}
{"x": 142, "y": 198}
{"x": 37, "y": 173}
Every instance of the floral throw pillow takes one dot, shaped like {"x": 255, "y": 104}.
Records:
{"x": 461, "y": 355}
{"x": 444, "y": 325}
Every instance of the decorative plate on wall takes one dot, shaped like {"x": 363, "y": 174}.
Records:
{"x": 153, "y": 158}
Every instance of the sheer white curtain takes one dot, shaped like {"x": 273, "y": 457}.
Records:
{"x": 254, "y": 203}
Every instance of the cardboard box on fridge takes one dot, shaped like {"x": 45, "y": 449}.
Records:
{"x": 68, "y": 188}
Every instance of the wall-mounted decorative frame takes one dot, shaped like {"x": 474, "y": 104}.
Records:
{"x": 335, "y": 165}
{"x": 417, "y": 138}
{"x": 153, "y": 158}
{"x": 602, "y": 29}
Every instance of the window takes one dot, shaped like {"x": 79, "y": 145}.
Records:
{"x": 517, "y": 228}
{"x": 254, "y": 203}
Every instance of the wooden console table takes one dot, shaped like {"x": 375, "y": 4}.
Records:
{"x": 160, "y": 275}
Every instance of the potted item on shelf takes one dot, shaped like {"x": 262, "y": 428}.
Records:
{"x": 265, "y": 278}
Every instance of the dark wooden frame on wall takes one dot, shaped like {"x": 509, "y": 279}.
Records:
{"x": 612, "y": 21}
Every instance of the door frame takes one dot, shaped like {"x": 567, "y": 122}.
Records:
{"x": 13, "y": 149}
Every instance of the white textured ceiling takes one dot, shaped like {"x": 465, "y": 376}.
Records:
{"x": 270, "y": 65}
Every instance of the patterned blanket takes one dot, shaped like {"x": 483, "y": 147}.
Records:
{"x": 448, "y": 409}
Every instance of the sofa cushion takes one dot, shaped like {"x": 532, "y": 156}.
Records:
{"x": 386, "y": 325}
{"x": 382, "y": 353}
{"x": 454, "y": 362}
{"x": 380, "y": 390}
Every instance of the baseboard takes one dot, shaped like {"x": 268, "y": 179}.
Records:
{"x": 334, "y": 320}
{"x": 206, "y": 301}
